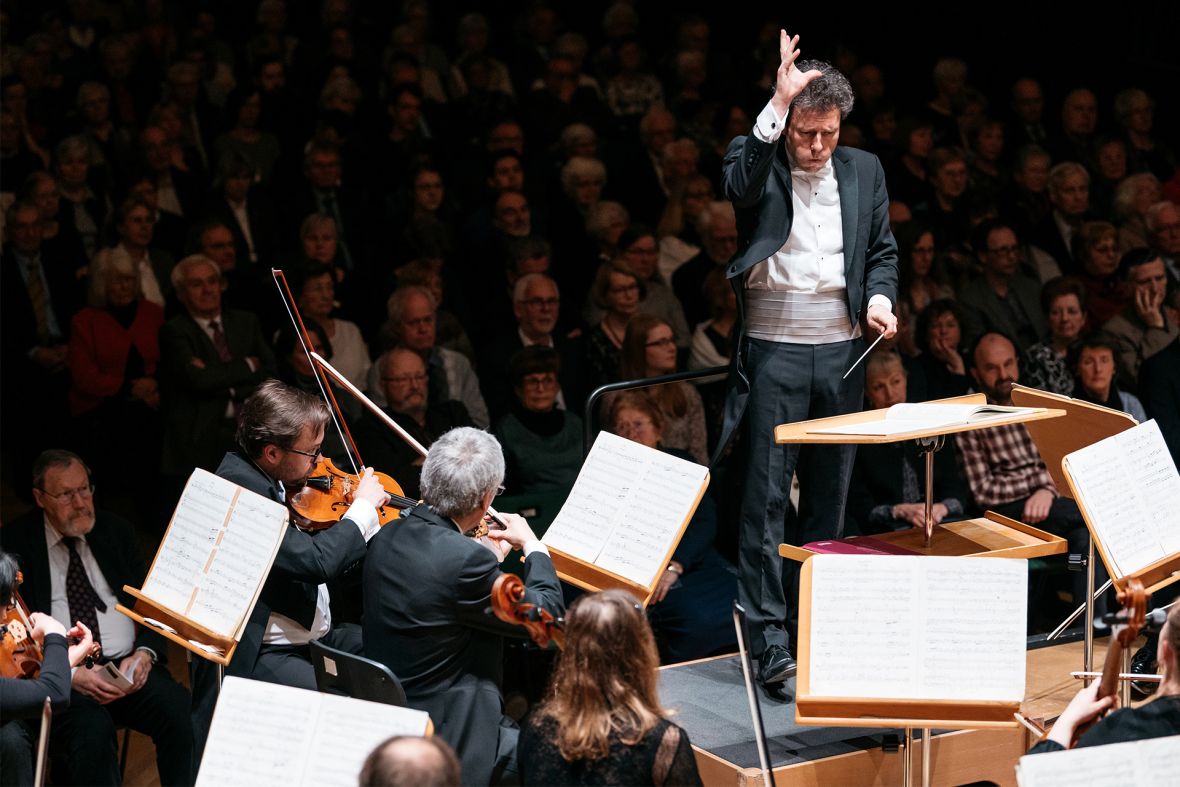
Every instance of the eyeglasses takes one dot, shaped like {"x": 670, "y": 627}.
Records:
{"x": 406, "y": 379}
{"x": 1006, "y": 250}
{"x": 85, "y": 493}
{"x": 312, "y": 455}
{"x": 541, "y": 303}
{"x": 625, "y": 288}
{"x": 540, "y": 381}
{"x": 665, "y": 342}
{"x": 500, "y": 490}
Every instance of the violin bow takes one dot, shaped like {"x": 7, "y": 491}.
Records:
{"x": 347, "y": 385}
{"x": 288, "y": 299}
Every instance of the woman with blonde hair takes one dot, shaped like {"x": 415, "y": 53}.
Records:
{"x": 602, "y": 722}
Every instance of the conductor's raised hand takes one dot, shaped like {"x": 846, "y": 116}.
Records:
{"x": 370, "y": 489}
{"x": 789, "y": 81}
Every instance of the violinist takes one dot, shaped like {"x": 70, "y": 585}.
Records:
{"x": 21, "y": 698}
{"x": 427, "y": 592}
{"x": 76, "y": 560}
{"x": 280, "y": 436}
{"x": 1155, "y": 719}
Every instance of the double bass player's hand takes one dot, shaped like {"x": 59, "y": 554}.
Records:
{"x": 1084, "y": 707}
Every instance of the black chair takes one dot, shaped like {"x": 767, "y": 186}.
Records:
{"x": 338, "y": 672}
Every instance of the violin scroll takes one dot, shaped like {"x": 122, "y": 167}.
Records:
{"x": 508, "y": 605}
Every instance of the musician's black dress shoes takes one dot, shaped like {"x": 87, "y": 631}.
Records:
{"x": 775, "y": 665}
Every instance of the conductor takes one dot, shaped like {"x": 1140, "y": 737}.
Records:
{"x": 815, "y": 257}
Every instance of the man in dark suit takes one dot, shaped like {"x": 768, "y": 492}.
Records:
{"x": 210, "y": 360}
{"x": 76, "y": 562}
{"x": 280, "y": 438}
{"x": 427, "y": 589}
{"x": 815, "y": 256}
{"x": 39, "y": 296}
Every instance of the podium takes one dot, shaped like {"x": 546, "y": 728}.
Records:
{"x": 991, "y": 535}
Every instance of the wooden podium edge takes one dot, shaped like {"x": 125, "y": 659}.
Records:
{"x": 185, "y": 629}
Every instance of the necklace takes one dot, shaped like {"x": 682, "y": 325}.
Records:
{"x": 610, "y": 332}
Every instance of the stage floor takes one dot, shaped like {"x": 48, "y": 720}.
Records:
{"x": 709, "y": 700}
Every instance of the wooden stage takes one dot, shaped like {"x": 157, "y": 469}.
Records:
{"x": 957, "y": 757}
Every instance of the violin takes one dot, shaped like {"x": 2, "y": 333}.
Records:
{"x": 20, "y": 654}
{"x": 327, "y": 494}
{"x": 1134, "y": 599}
{"x": 508, "y": 605}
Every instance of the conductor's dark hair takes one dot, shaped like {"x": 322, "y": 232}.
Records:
{"x": 275, "y": 414}
{"x": 830, "y": 91}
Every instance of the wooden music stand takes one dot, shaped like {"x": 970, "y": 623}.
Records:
{"x": 992, "y": 534}
{"x": 185, "y": 629}
{"x": 910, "y": 714}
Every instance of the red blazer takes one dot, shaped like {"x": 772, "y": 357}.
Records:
{"x": 98, "y": 352}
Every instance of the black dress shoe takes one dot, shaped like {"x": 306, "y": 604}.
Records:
{"x": 1143, "y": 663}
{"x": 775, "y": 665}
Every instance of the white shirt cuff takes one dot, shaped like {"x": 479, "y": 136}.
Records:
{"x": 769, "y": 126}
{"x": 365, "y": 516}
{"x": 534, "y": 546}
{"x": 883, "y": 300}
{"x": 252, "y": 364}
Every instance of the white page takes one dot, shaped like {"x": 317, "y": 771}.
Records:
{"x": 626, "y": 507}
{"x": 653, "y": 517}
{"x": 198, "y": 520}
{"x": 917, "y": 627}
{"x": 923, "y": 416}
{"x": 348, "y": 730}
{"x": 1131, "y": 492}
{"x": 268, "y": 734}
{"x": 1154, "y": 762}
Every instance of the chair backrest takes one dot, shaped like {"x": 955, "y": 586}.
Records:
{"x": 338, "y": 672}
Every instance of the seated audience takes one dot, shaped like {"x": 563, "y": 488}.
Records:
{"x": 411, "y": 761}
{"x": 315, "y": 294}
{"x": 691, "y": 611}
{"x": 887, "y": 491}
{"x": 602, "y": 722}
{"x": 617, "y": 291}
{"x": 1097, "y": 252}
{"x": 1003, "y": 299}
{"x": 1094, "y": 373}
{"x": 1148, "y": 324}
{"x": 76, "y": 560}
{"x": 940, "y": 338}
{"x": 133, "y": 221}
{"x": 542, "y": 444}
{"x": 1044, "y": 365}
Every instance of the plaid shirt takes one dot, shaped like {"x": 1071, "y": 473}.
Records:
{"x": 1002, "y": 464}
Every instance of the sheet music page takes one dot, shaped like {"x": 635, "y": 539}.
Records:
{"x": 241, "y": 562}
{"x": 899, "y": 627}
{"x": 923, "y": 416}
{"x": 655, "y": 511}
{"x": 269, "y": 734}
{"x": 348, "y": 730}
{"x": 626, "y": 507}
{"x": 260, "y": 735}
{"x": 861, "y": 643}
{"x": 196, "y": 523}
{"x": 1131, "y": 492}
{"x": 1154, "y": 762}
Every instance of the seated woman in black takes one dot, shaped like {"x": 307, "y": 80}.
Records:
{"x": 691, "y": 610}
{"x": 542, "y": 444}
{"x": 1155, "y": 719}
{"x": 601, "y": 722}
{"x": 21, "y": 699}
{"x": 940, "y": 337}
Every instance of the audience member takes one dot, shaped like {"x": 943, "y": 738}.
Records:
{"x": 133, "y": 222}
{"x": 1045, "y": 365}
{"x": 1094, "y": 373}
{"x": 1052, "y": 239}
{"x": 1096, "y": 251}
{"x": 718, "y": 230}
{"x": 77, "y": 560}
{"x": 1003, "y": 299}
{"x": 617, "y": 291}
{"x": 542, "y": 443}
{"x": 888, "y": 485}
{"x": 940, "y": 338}
{"x": 315, "y": 294}
{"x": 1148, "y": 324}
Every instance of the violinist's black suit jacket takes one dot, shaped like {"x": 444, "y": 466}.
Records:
{"x": 302, "y": 563}
{"x": 427, "y": 591}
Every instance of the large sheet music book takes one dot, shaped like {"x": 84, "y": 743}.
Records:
{"x": 909, "y": 417}
{"x": 211, "y": 566}
{"x": 1128, "y": 490}
{"x": 1154, "y": 762}
{"x": 624, "y": 516}
{"x": 911, "y": 641}
{"x": 266, "y": 734}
